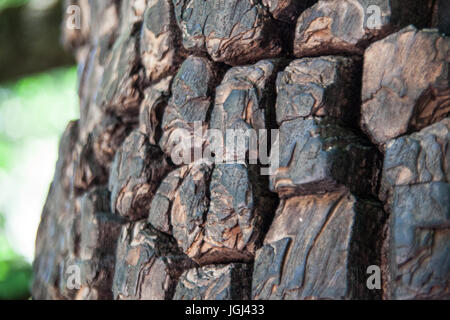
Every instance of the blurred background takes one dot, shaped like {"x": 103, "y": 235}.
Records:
{"x": 37, "y": 98}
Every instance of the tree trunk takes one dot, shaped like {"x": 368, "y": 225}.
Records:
{"x": 356, "y": 106}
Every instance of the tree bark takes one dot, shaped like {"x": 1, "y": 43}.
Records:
{"x": 363, "y": 175}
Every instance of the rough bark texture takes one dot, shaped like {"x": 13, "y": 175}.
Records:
{"x": 228, "y": 282}
{"x": 411, "y": 91}
{"x": 363, "y": 135}
{"x": 315, "y": 247}
{"x": 348, "y": 26}
{"x": 416, "y": 188}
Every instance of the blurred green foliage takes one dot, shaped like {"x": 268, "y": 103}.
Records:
{"x": 11, "y": 3}
{"x": 15, "y": 272}
{"x": 33, "y": 109}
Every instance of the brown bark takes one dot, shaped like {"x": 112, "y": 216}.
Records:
{"x": 142, "y": 226}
